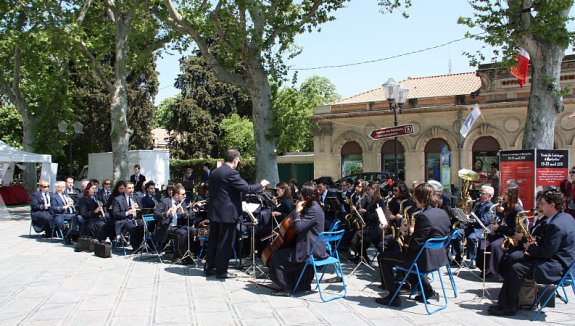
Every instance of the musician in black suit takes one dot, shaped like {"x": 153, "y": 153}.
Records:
{"x": 473, "y": 231}
{"x": 189, "y": 175}
{"x": 149, "y": 200}
{"x": 62, "y": 206}
{"x": 430, "y": 222}
{"x": 92, "y": 214}
{"x": 138, "y": 179}
{"x": 42, "y": 219}
{"x": 170, "y": 215}
{"x": 207, "y": 172}
{"x": 328, "y": 201}
{"x": 105, "y": 192}
{"x": 546, "y": 258}
{"x": 286, "y": 263}
{"x": 224, "y": 210}
{"x": 124, "y": 212}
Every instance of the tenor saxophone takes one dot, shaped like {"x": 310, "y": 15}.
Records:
{"x": 508, "y": 242}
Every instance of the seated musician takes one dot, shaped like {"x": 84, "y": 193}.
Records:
{"x": 502, "y": 230}
{"x": 325, "y": 197}
{"x": 170, "y": 215}
{"x": 372, "y": 233}
{"x": 149, "y": 200}
{"x": 62, "y": 206}
{"x": 92, "y": 214}
{"x": 473, "y": 232}
{"x": 124, "y": 213}
{"x": 42, "y": 219}
{"x": 283, "y": 202}
{"x": 430, "y": 222}
{"x": 105, "y": 192}
{"x": 396, "y": 207}
{"x": 546, "y": 256}
{"x": 286, "y": 263}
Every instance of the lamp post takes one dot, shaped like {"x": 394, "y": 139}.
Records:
{"x": 396, "y": 96}
{"x": 63, "y": 128}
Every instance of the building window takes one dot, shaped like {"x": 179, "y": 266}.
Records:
{"x": 351, "y": 159}
{"x": 388, "y": 159}
{"x": 433, "y": 158}
{"x": 484, "y": 152}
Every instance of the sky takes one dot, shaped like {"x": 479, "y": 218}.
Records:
{"x": 362, "y": 33}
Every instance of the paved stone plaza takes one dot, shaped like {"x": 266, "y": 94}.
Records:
{"x": 43, "y": 282}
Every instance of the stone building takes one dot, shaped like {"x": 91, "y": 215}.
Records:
{"x": 436, "y": 107}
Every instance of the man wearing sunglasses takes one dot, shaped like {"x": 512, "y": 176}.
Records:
{"x": 42, "y": 219}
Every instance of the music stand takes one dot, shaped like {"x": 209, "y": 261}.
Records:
{"x": 362, "y": 260}
{"x": 147, "y": 236}
{"x": 486, "y": 231}
{"x": 188, "y": 253}
{"x": 249, "y": 208}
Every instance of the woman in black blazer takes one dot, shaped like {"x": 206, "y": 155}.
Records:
{"x": 308, "y": 222}
{"x": 92, "y": 213}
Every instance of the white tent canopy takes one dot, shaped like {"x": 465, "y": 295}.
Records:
{"x": 9, "y": 154}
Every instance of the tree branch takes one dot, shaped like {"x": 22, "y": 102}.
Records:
{"x": 96, "y": 71}
{"x": 83, "y": 12}
{"x": 304, "y": 20}
{"x": 177, "y": 21}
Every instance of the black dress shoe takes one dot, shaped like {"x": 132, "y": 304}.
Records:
{"x": 386, "y": 301}
{"x": 209, "y": 273}
{"x": 280, "y": 293}
{"x": 500, "y": 311}
{"x": 226, "y": 275}
{"x": 428, "y": 295}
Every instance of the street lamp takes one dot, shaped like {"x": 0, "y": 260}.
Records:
{"x": 396, "y": 96}
{"x": 63, "y": 128}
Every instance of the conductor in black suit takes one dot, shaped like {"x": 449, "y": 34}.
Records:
{"x": 546, "y": 257}
{"x": 430, "y": 222}
{"x": 224, "y": 210}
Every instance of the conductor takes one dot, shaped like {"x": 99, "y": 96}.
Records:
{"x": 224, "y": 210}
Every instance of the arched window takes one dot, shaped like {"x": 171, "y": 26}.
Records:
{"x": 351, "y": 159}
{"x": 484, "y": 153}
{"x": 388, "y": 158}
{"x": 433, "y": 158}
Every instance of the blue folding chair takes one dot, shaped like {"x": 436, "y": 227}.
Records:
{"x": 333, "y": 238}
{"x": 548, "y": 293}
{"x": 413, "y": 269}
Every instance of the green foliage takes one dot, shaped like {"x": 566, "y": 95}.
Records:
{"x": 352, "y": 168}
{"x": 292, "y": 109}
{"x": 10, "y": 126}
{"x": 194, "y": 118}
{"x": 388, "y": 6}
{"x": 506, "y": 24}
{"x": 163, "y": 113}
{"x": 246, "y": 168}
{"x": 238, "y": 133}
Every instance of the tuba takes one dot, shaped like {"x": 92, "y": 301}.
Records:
{"x": 465, "y": 202}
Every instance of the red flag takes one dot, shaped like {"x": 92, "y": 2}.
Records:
{"x": 520, "y": 69}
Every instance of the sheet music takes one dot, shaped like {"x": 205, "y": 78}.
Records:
{"x": 249, "y": 207}
{"x": 381, "y": 216}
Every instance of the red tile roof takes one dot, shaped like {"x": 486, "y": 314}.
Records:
{"x": 423, "y": 87}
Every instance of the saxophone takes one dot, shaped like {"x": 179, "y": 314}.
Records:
{"x": 348, "y": 218}
{"x": 398, "y": 236}
{"x": 508, "y": 242}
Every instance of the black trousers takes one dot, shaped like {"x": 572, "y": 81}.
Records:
{"x": 387, "y": 260}
{"x": 285, "y": 273}
{"x": 220, "y": 247}
{"x": 512, "y": 281}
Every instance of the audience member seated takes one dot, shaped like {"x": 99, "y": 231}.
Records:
{"x": 42, "y": 219}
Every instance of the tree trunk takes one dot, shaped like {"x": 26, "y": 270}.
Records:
{"x": 544, "y": 99}
{"x": 29, "y": 175}
{"x": 260, "y": 93}
{"x": 120, "y": 133}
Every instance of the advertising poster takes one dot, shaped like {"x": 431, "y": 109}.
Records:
{"x": 552, "y": 168}
{"x": 520, "y": 166}
{"x": 445, "y": 167}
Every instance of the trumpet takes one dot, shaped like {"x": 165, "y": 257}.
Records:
{"x": 70, "y": 201}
